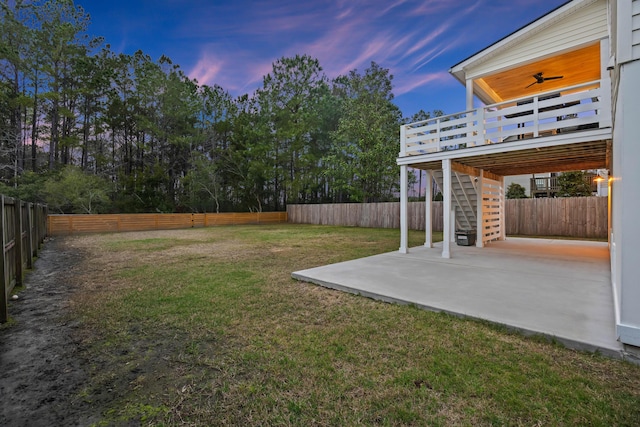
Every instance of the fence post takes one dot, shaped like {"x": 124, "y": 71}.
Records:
{"x": 40, "y": 225}
{"x": 45, "y": 219}
{"x": 18, "y": 242}
{"x": 4, "y": 309}
{"x": 29, "y": 221}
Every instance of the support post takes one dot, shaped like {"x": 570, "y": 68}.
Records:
{"x": 446, "y": 208}
{"x": 605, "y": 85}
{"x": 428, "y": 205}
{"x": 469, "y": 103}
{"x": 403, "y": 140}
{"x": 536, "y": 118}
{"x": 404, "y": 208}
{"x": 4, "y": 309}
{"x": 18, "y": 260}
{"x": 453, "y": 225}
{"x": 479, "y": 137}
{"x": 479, "y": 212}
{"x": 469, "y": 86}
{"x": 29, "y": 221}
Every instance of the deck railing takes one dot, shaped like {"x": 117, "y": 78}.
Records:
{"x": 570, "y": 109}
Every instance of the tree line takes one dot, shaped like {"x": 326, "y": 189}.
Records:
{"x": 86, "y": 129}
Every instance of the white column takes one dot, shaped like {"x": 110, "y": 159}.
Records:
{"x": 480, "y": 212}
{"x": 446, "y": 208}
{"x": 452, "y": 221}
{"x": 428, "y": 203}
{"x": 469, "y": 87}
{"x": 536, "y": 117}
{"x": 605, "y": 84}
{"x": 404, "y": 209}
{"x": 469, "y": 94}
{"x": 403, "y": 141}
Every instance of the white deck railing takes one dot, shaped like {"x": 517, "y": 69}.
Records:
{"x": 570, "y": 109}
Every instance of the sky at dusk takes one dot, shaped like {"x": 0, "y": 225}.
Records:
{"x": 234, "y": 43}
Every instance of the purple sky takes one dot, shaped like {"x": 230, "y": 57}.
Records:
{"x": 234, "y": 43}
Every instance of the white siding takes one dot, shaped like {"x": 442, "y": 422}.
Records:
{"x": 635, "y": 29}
{"x": 582, "y": 27}
{"x": 625, "y": 188}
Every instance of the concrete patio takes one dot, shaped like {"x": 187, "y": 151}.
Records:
{"x": 557, "y": 288}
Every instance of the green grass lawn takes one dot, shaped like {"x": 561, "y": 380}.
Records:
{"x": 206, "y": 327}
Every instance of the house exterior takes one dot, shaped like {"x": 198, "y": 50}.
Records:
{"x": 548, "y": 185}
{"x": 560, "y": 94}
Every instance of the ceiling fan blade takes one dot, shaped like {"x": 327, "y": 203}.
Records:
{"x": 540, "y": 79}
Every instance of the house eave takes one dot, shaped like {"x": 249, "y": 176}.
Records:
{"x": 459, "y": 70}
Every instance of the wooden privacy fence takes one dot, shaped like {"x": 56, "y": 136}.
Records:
{"x": 582, "y": 217}
{"x": 104, "y": 223}
{"x": 368, "y": 215}
{"x": 22, "y": 230}
{"x": 585, "y": 217}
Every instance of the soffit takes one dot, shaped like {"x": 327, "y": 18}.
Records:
{"x": 576, "y": 67}
{"x": 539, "y": 28}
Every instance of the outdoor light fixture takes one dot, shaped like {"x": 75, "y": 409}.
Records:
{"x": 612, "y": 63}
{"x": 602, "y": 176}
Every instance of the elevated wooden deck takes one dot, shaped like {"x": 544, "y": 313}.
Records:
{"x": 561, "y": 130}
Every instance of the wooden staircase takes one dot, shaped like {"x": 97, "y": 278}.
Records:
{"x": 464, "y": 198}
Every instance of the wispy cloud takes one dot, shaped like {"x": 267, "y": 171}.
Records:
{"x": 411, "y": 37}
{"x": 233, "y": 43}
{"x": 406, "y": 84}
{"x": 206, "y": 69}
{"x": 392, "y": 6}
{"x": 352, "y": 35}
{"x": 229, "y": 70}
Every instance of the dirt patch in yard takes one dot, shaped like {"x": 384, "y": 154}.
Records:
{"x": 52, "y": 371}
{"x": 42, "y": 372}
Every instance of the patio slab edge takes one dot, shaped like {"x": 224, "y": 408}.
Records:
{"x": 573, "y": 344}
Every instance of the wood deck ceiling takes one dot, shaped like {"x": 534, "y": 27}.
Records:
{"x": 576, "y": 67}
{"x": 561, "y": 158}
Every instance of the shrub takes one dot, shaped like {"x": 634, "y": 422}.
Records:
{"x": 516, "y": 191}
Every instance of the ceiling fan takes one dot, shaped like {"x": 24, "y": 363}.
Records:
{"x": 540, "y": 79}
